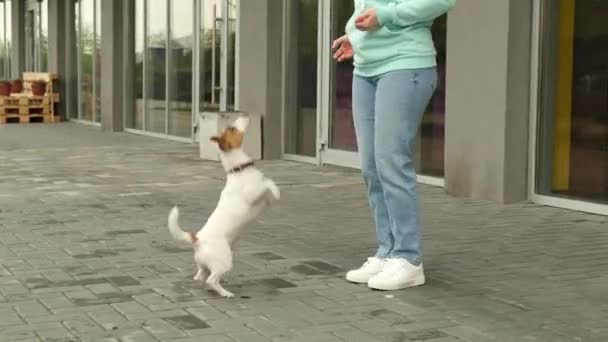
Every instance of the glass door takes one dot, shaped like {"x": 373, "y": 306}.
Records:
{"x": 338, "y": 140}
{"x": 301, "y": 41}
{"x": 570, "y": 132}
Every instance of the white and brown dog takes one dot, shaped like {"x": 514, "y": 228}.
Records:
{"x": 246, "y": 193}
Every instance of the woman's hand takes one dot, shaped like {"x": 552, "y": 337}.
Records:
{"x": 343, "y": 49}
{"x": 368, "y": 20}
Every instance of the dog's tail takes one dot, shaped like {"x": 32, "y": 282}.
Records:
{"x": 177, "y": 233}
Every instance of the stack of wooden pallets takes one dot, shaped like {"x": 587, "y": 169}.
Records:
{"x": 26, "y": 108}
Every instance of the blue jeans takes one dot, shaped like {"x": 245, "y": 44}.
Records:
{"x": 387, "y": 112}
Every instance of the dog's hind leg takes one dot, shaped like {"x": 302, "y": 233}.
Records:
{"x": 214, "y": 282}
{"x": 216, "y": 256}
{"x": 201, "y": 274}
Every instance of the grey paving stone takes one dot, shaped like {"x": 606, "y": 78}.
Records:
{"x": 163, "y": 330}
{"x": 101, "y": 288}
{"x": 135, "y": 335}
{"x": 10, "y": 318}
{"x": 31, "y": 308}
{"x": 155, "y": 314}
{"x": 109, "y": 318}
{"x": 467, "y": 334}
{"x": 207, "y": 313}
{"x": 55, "y": 334}
{"x": 123, "y": 281}
{"x": 247, "y": 337}
{"x": 85, "y": 251}
{"x": 23, "y": 336}
{"x": 82, "y": 326}
{"x": 129, "y": 307}
{"x": 187, "y": 322}
{"x": 269, "y": 256}
{"x": 278, "y": 283}
{"x": 210, "y": 338}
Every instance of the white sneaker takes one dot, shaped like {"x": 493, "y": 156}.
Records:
{"x": 397, "y": 274}
{"x": 369, "y": 269}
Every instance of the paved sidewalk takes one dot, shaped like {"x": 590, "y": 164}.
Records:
{"x": 85, "y": 255}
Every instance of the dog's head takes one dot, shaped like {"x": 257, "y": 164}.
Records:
{"x": 231, "y": 138}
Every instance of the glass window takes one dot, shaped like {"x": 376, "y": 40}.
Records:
{"x": 342, "y": 129}
{"x": 8, "y": 31}
{"x": 231, "y": 69}
{"x": 218, "y": 22}
{"x": 3, "y": 51}
{"x": 160, "y": 65}
{"x": 87, "y": 43}
{"x": 432, "y": 130}
{"x": 74, "y": 82}
{"x": 31, "y": 38}
{"x": 572, "y": 149}
{"x": 210, "y": 37}
{"x": 301, "y": 78}
{"x": 180, "y": 81}
{"x": 134, "y": 99}
{"x": 156, "y": 63}
{"x": 97, "y": 59}
{"x": 44, "y": 35}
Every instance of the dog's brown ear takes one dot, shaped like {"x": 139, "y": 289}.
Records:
{"x": 221, "y": 142}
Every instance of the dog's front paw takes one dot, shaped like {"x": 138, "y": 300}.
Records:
{"x": 274, "y": 189}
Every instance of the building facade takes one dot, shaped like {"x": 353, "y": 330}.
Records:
{"x": 521, "y": 112}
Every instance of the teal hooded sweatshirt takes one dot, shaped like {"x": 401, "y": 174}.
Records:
{"x": 403, "y": 40}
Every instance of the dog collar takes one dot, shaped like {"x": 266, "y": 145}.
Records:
{"x": 241, "y": 167}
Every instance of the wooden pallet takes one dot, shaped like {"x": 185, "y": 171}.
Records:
{"x": 23, "y": 119}
{"x": 15, "y": 100}
{"x": 42, "y": 109}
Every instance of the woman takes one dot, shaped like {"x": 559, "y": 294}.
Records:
{"x": 394, "y": 79}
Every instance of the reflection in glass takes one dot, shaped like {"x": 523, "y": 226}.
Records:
{"x": 31, "y": 53}
{"x": 182, "y": 45}
{"x": 44, "y": 35}
{"x": 301, "y": 77}
{"x": 433, "y": 123}
{"x": 156, "y": 57}
{"x": 134, "y": 104}
{"x": 342, "y": 129}
{"x": 97, "y": 59}
{"x": 87, "y": 44}
{"x": 74, "y": 83}
{"x": 8, "y": 29}
{"x": 232, "y": 17}
{"x": 210, "y": 36}
{"x": 573, "y": 137}
{"x": 3, "y": 51}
